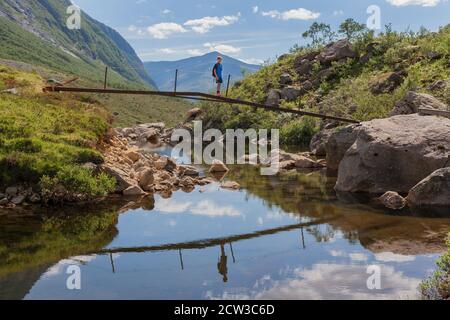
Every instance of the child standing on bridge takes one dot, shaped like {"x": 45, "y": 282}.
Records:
{"x": 217, "y": 74}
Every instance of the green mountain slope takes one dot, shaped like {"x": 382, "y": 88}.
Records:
{"x": 194, "y": 74}
{"x": 35, "y": 31}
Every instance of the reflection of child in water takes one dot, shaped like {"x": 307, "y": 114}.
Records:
{"x": 222, "y": 264}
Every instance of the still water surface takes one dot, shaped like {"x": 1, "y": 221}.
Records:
{"x": 284, "y": 237}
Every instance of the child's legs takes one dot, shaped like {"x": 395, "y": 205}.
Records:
{"x": 219, "y": 85}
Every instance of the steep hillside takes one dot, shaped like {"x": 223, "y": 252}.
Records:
{"x": 194, "y": 74}
{"x": 362, "y": 79}
{"x": 35, "y": 31}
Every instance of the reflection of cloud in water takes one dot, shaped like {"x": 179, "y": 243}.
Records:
{"x": 202, "y": 208}
{"x": 209, "y": 208}
{"x": 172, "y": 206}
{"x": 327, "y": 281}
{"x": 393, "y": 257}
{"x": 358, "y": 256}
{"x": 58, "y": 268}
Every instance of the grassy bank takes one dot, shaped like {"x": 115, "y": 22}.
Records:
{"x": 44, "y": 139}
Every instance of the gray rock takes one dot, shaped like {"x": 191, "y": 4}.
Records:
{"x": 394, "y": 154}
{"x": 286, "y": 79}
{"x": 90, "y": 166}
{"x": 413, "y": 101}
{"x": 123, "y": 181}
{"x": 319, "y": 142}
{"x": 3, "y": 196}
{"x": 303, "y": 67}
{"x": 133, "y": 191}
{"x": 325, "y": 74}
{"x": 4, "y": 202}
{"x": 438, "y": 85}
{"x": 11, "y": 191}
{"x": 273, "y": 98}
{"x": 218, "y": 166}
{"x": 291, "y": 93}
{"x": 194, "y": 113}
{"x": 434, "y": 190}
{"x": 18, "y": 199}
{"x": 336, "y": 51}
{"x": 146, "y": 179}
{"x": 393, "y": 200}
{"x": 338, "y": 143}
{"x": 387, "y": 82}
{"x": 34, "y": 198}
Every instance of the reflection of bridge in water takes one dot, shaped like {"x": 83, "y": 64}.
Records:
{"x": 207, "y": 243}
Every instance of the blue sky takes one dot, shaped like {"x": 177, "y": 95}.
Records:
{"x": 252, "y": 31}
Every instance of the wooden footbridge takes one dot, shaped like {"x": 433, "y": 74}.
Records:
{"x": 61, "y": 87}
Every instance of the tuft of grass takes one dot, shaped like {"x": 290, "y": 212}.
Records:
{"x": 299, "y": 132}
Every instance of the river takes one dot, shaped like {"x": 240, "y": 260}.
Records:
{"x": 282, "y": 237}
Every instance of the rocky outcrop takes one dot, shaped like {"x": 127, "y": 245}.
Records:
{"x": 387, "y": 82}
{"x": 393, "y": 200}
{"x": 434, "y": 190}
{"x": 303, "y": 67}
{"x": 291, "y": 93}
{"x": 273, "y": 98}
{"x": 390, "y": 154}
{"x": 336, "y": 51}
{"x": 286, "y": 79}
{"x": 319, "y": 142}
{"x": 413, "y": 101}
{"x": 340, "y": 140}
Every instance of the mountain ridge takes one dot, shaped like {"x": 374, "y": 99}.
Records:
{"x": 94, "y": 44}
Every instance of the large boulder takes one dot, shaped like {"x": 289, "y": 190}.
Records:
{"x": 434, "y": 190}
{"x": 394, "y": 154}
{"x": 387, "y": 82}
{"x": 303, "y": 67}
{"x": 286, "y": 79}
{"x": 340, "y": 140}
{"x": 413, "y": 101}
{"x": 273, "y": 98}
{"x": 123, "y": 181}
{"x": 291, "y": 93}
{"x": 336, "y": 51}
{"x": 319, "y": 142}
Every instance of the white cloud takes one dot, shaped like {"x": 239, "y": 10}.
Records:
{"x": 141, "y": 1}
{"x": 132, "y": 28}
{"x": 194, "y": 52}
{"x": 294, "y": 14}
{"x": 222, "y": 48}
{"x": 205, "y": 24}
{"x": 253, "y": 61}
{"x": 255, "y": 9}
{"x": 423, "y": 3}
{"x": 166, "y": 11}
{"x": 338, "y": 12}
{"x": 167, "y": 51}
{"x": 165, "y": 29}
{"x": 358, "y": 256}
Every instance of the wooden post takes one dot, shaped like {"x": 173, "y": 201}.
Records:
{"x": 106, "y": 77}
{"x": 228, "y": 84}
{"x": 181, "y": 259}
{"x": 176, "y": 80}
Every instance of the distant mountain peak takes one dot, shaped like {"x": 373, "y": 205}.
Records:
{"x": 194, "y": 73}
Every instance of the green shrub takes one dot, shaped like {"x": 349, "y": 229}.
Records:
{"x": 437, "y": 286}
{"x": 299, "y": 132}
{"x": 76, "y": 181}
